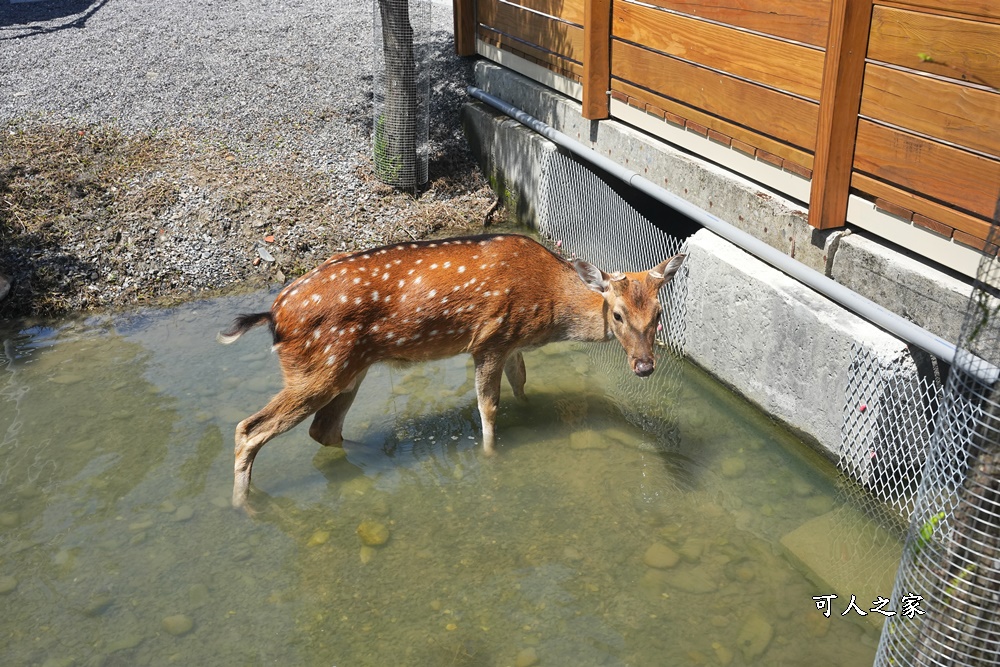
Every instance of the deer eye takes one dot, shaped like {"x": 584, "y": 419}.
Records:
{"x": 618, "y": 317}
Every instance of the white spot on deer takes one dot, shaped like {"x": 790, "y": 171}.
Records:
{"x": 388, "y": 298}
{"x": 366, "y": 256}
{"x": 294, "y": 292}
{"x": 506, "y": 290}
{"x": 327, "y": 349}
{"x": 446, "y": 311}
{"x": 419, "y": 261}
{"x": 343, "y": 298}
{"x": 402, "y": 298}
{"x": 447, "y": 265}
{"x": 331, "y": 359}
{"x": 397, "y": 261}
{"x": 487, "y": 293}
{"x": 475, "y": 257}
{"x": 534, "y": 308}
{"x": 345, "y": 364}
{"x": 410, "y": 272}
{"x": 374, "y": 327}
{"x": 390, "y": 335}
{"x": 432, "y": 332}
{"x": 483, "y": 267}
{"x": 375, "y": 295}
{"x": 316, "y": 298}
{"x": 416, "y": 281}
{"x": 399, "y": 247}
{"x": 401, "y": 283}
{"x": 444, "y": 300}
{"x": 500, "y": 319}
{"x": 357, "y": 300}
{"x": 472, "y": 281}
{"x": 432, "y": 294}
{"x": 382, "y": 251}
{"x": 413, "y": 245}
{"x": 434, "y": 266}
{"x": 385, "y": 276}
{"x": 461, "y": 269}
{"x": 357, "y": 280}
{"x": 457, "y": 287}
{"x": 317, "y": 333}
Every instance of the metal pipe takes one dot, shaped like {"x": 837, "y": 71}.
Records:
{"x": 849, "y": 299}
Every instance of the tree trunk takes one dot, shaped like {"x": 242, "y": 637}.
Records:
{"x": 395, "y": 142}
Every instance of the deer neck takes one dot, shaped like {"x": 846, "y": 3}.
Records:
{"x": 583, "y": 316}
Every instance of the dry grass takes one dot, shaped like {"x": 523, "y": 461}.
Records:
{"x": 82, "y": 207}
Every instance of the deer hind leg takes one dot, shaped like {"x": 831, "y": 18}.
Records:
{"x": 327, "y": 427}
{"x": 489, "y": 370}
{"x": 283, "y": 412}
{"x": 513, "y": 368}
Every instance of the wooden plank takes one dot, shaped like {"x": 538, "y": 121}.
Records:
{"x": 567, "y": 10}
{"x": 743, "y": 139}
{"x": 464, "y": 14}
{"x": 553, "y": 62}
{"x": 596, "y": 59}
{"x": 921, "y": 205}
{"x": 983, "y": 8}
{"x": 788, "y": 119}
{"x": 546, "y": 33}
{"x": 790, "y": 67}
{"x": 952, "y": 112}
{"x": 959, "y": 178}
{"x": 957, "y": 48}
{"x": 843, "y": 73}
{"x": 798, "y": 20}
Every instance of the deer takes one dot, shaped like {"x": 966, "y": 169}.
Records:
{"x": 490, "y": 296}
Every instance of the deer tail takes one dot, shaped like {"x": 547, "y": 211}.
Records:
{"x": 244, "y": 323}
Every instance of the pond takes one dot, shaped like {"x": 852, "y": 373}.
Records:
{"x": 624, "y": 521}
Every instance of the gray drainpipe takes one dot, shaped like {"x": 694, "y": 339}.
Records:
{"x": 849, "y": 299}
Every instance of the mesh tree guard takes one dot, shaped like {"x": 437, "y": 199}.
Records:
{"x": 950, "y": 568}
{"x": 401, "y": 92}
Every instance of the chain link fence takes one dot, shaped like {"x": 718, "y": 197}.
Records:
{"x": 951, "y": 558}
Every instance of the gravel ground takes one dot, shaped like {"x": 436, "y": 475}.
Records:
{"x": 156, "y": 150}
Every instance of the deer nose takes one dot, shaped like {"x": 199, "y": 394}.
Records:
{"x": 643, "y": 367}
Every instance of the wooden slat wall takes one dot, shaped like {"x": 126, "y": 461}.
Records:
{"x": 759, "y": 90}
{"x": 547, "y": 32}
{"x": 929, "y": 137}
{"x": 797, "y": 20}
{"x": 750, "y": 74}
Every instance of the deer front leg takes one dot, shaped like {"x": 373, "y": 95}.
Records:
{"x": 489, "y": 369}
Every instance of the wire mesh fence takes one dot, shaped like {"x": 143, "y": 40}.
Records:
{"x": 401, "y": 93}
{"x": 950, "y": 569}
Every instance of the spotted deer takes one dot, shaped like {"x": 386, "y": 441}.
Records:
{"x": 489, "y": 296}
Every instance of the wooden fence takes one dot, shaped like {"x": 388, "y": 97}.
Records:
{"x": 896, "y": 101}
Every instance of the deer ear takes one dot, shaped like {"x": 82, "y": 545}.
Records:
{"x": 591, "y": 276}
{"x": 665, "y": 271}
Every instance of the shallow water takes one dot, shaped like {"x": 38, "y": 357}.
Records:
{"x": 116, "y": 532}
